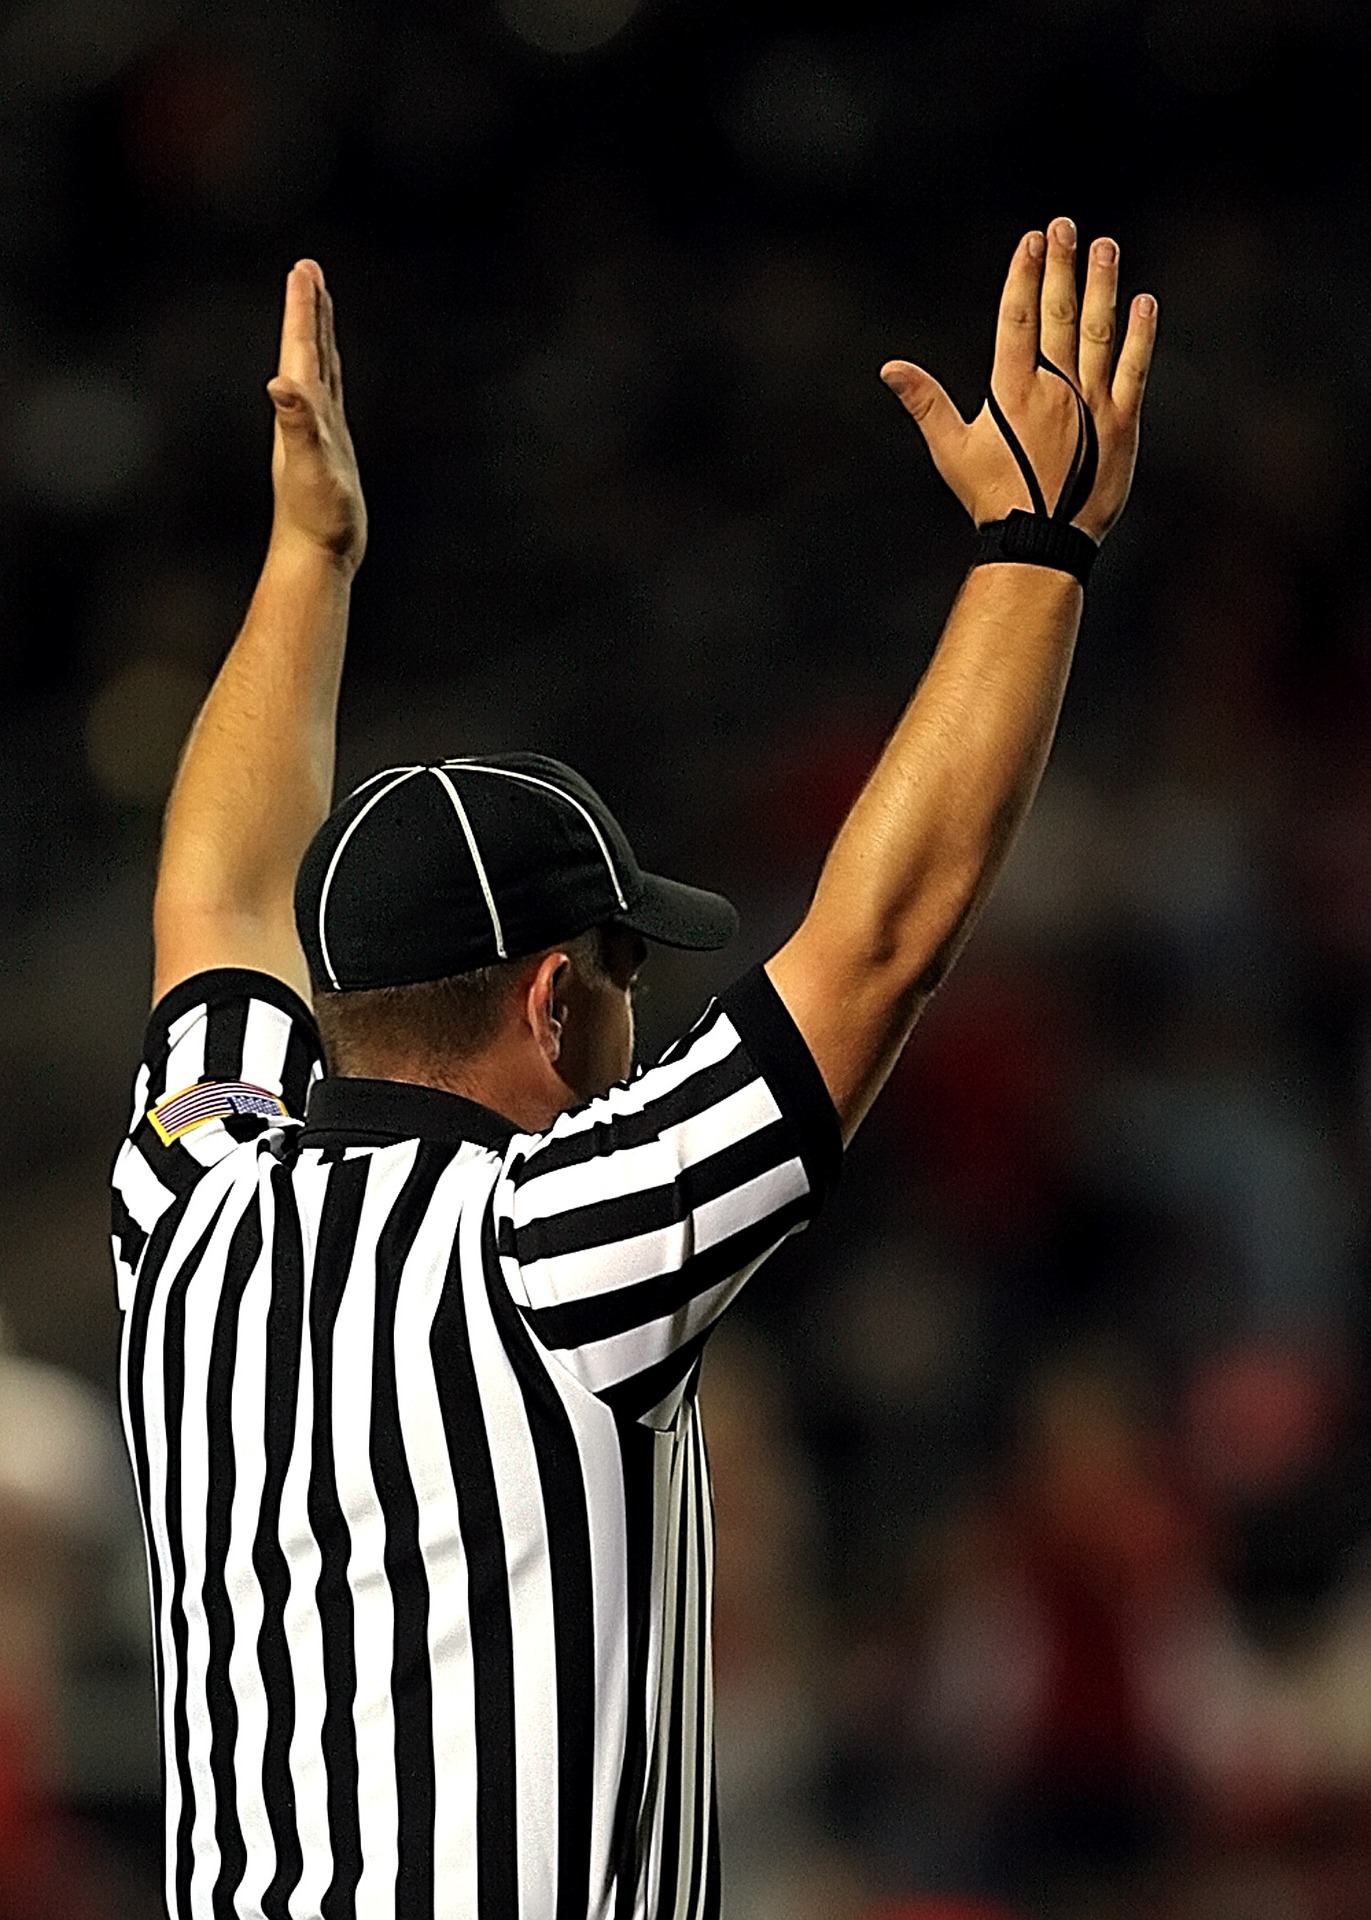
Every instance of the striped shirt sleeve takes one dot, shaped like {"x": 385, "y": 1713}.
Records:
{"x": 627, "y": 1228}
{"x": 229, "y": 1054}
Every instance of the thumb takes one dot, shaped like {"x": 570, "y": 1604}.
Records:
{"x": 928, "y": 405}
{"x": 294, "y": 412}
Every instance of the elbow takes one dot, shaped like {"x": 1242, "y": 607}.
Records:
{"x": 184, "y": 899}
{"x": 899, "y": 941}
{"x": 917, "y": 946}
{"x": 194, "y": 882}
{"x": 180, "y": 910}
{"x": 930, "y": 976}
{"x": 931, "y": 926}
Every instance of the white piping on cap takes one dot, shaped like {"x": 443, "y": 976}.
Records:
{"x": 406, "y": 773}
{"x": 477, "y": 861}
{"x": 548, "y": 786}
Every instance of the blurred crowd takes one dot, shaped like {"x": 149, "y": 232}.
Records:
{"x": 1043, "y": 1472}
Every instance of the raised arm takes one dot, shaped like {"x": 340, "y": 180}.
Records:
{"x": 256, "y": 776}
{"x": 922, "y": 846}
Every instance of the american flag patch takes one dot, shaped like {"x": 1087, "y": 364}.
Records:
{"x": 213, "y": 1100}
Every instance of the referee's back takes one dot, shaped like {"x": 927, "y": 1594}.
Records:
{"x": 411, "y": 1402}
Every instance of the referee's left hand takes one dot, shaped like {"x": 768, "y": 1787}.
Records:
{"x": 313, "y": 468}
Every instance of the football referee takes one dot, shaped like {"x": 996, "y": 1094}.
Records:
{"x": 416, "y": 1274}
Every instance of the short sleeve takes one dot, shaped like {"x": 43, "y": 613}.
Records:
{"x": 626, "y": 1229}
{"x": 229, "y": 1056}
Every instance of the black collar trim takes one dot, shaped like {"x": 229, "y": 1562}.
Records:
{"x": 398, "y": 1110}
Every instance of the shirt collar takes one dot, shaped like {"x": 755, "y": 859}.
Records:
{"x": 399, "y": 1110}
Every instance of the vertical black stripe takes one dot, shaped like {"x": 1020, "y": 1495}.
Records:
{"x": 492, "y": 1634}
{"x": 703, "y": 1758}
{"x": 671, "y": 1789}
{"x": 342, "y": 1209}
{"x": 135, "y": 1349}
{"x": 156, "y": 1057}
{"x": 226, "y": 1031}
{"x": 713, "y": 1893}
{"x": 135, "y": 1360}
{"x": 573, "y": 1588}
{"x": 302, "y": 1056}
{"x": 173, "y": 1400}
{"x": 637, "y": 1454}
{"x": 285, "y": 1330}
{"x": 411, "y": 1683}
{"x": 714, "y": 1882}
{"x": 126, "y": 1230}
{"x": 244, "y": 1252}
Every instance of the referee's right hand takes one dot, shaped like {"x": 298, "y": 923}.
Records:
{"x": 314, "y": 469}
{"x": 1046, "y": 344}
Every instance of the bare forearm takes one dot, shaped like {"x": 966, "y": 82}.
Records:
{"x": 924, "y": 842}
{"x": 256, "y": 777}
{"x": 931, "y": 828}
{"x": 257, "y": 774}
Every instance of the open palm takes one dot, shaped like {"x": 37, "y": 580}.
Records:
{"x": 313, "y": 468}
{"x": 1049, "y": 358}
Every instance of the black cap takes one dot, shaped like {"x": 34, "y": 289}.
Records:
{"x": 428, "y": 871}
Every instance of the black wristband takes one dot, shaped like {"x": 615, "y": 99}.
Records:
{"x": 1035, "y": 541}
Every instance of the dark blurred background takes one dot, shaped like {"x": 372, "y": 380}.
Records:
{"x": 1043, "y": 1472}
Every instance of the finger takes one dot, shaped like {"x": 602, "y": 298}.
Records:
{"x": 928, "y": 406}
{"x": 1016, "y": 332}
{"x": 299, "y": 350}
{"x": 1130, "y": 379}
{"x": 320, "y": 349}
{"x": 1057, "y": 335}
{"x": 333, "y": 366}
{"x": 1097, "y": 320}
{"x": 295, "y": 414}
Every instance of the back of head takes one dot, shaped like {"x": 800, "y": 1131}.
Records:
{"x": 431, "y": 1030}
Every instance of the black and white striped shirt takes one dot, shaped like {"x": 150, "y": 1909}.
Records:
{"x": 410, "y": 1399}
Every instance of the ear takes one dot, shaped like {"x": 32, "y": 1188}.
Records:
{"x": 545, "y": 1004}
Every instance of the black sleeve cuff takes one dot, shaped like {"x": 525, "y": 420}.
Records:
{"x": 777, "y": 1049}
{"x": 219, "y": 987}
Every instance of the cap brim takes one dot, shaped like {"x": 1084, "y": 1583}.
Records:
{"x": 675, "y": 915}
